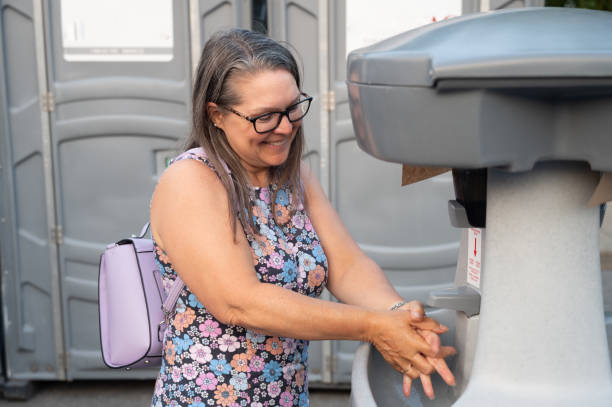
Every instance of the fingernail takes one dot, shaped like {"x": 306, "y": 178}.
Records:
{"x": 416, "y": 314}
{"x": 431, "y": 397}
{"x": 443, "y": 326}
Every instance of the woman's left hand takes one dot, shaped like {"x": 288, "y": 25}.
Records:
{"x": 423, "y": 325}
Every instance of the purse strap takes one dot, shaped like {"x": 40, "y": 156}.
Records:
{"x": 175, "y": 288}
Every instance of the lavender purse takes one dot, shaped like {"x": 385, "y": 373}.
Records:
{"x": 133, "y": 307}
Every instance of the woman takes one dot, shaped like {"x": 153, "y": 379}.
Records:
{"x": 251, "y": 233}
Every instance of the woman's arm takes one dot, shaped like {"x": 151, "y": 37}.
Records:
{"x": 189, "y": 215}
{"x": 354, "y": 278}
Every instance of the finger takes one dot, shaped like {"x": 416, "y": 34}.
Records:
{"x": 430, "y": 324}
{"x": 417, "y": 312}
{"x": 421, "y": 364}
{"x": 421, "y": 345}
{"x": 443, "y": 370}
{"x": 446, "y": 351}
{"x": 407, "y": 385}
{"x": 432, "y": 339}
{"x": 427, "y": 386}
{"x": 412, "y": 372}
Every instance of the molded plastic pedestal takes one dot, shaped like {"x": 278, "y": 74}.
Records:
{"x": 542, "y": 339}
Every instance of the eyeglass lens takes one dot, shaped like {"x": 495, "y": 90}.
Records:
{"x": 270, "y": 121}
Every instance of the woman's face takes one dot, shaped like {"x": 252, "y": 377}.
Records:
{"x": 261, "y": 92}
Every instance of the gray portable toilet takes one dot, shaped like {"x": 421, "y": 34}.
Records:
{"x": 517, "y": 103}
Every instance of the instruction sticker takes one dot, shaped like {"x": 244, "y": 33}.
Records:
{"x": 474, "y": 255}
{"x": 117, "y": 30}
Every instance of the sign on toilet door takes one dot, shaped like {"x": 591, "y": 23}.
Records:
{"x": 474, "y": 256}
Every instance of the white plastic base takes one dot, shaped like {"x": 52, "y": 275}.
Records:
{"x": 542, "y": 339}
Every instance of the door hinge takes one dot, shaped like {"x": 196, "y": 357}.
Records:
{"x": 57, "y": 235}
{"x": 47, "y": 102}
{"x": 329, "y": 100}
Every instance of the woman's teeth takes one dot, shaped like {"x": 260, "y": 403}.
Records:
{"x": 276, "y": 143}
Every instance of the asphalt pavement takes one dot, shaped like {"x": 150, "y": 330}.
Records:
{"x": 129, "y": 394}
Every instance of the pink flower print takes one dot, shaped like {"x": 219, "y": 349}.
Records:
{"x": 276, "y": 261}
{"x": 286, "y": 399}
{"x": 308, "y": 225}
{"x": 264, "y": 195}
{"x": 176, "y": 374}
{"x": 228, "y": 343}
{"x": 289, "y": 346}
{"x": 298, "y": 221}
{"x": 200, "y": 353}
{"x": 159, "y": 387}
{"x": 210, "y": 328}
{"x": 274, "y": 389}
{"x": 207, "y": 381}
{"x": 257, "y": 364}
{"x": 289, "y": 372}
{"x": 189, "y": 372}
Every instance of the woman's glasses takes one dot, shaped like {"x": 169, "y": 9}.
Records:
{"x": 269, "y": 121}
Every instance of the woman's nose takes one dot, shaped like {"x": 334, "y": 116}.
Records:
{"x": 285, "y": 126}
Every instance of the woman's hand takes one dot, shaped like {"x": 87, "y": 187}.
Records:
{"x": 415, "y": 308}
{"x": 438, "y": 363}
{"x": 396, "y": 337}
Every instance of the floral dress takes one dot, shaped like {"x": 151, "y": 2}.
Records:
{"x": 208, "y": 363}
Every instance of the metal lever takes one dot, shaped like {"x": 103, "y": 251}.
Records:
{"x": 464, "y": 299}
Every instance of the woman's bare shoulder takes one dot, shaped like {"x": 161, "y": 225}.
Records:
{"x": 186, "y": 191}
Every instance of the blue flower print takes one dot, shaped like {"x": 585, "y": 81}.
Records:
{"x": 305, "y": 355}
{"x": 268, "y": 233}
{"x": 239, "y": 381}
{"x": 317, "y": 252}
{"x": 220, "y": 366}
{"x": 282, "y": 198}
{"x": 255, "y": 337}
{"x": 182, "y": 344}
{"x": 200, "y": 404}
{"x": 257, "y": 248}
{"x": 180, "y": 306}
{"x": 303, "y": 402}
{"x": 289, "y": 273}
{"x": 272, "y": 371}
{"x": 194, "y": 303}
{"x": 307, "y": 262}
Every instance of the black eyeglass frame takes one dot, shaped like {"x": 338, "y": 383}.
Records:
{"x": 280, "y": 117}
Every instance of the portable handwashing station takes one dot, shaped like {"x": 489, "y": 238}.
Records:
{"x": 519, "y": 104}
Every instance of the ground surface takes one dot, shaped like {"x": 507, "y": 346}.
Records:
{"x": 129, "y": 394}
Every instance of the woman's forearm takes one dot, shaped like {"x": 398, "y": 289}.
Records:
{"x": 277, "y": 311}
{"x": 364, "y": 284}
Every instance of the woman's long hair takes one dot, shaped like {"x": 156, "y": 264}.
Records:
{"x": 227, "y": 55}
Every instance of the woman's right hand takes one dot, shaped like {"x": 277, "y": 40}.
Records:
{"x": 412, "y": 347}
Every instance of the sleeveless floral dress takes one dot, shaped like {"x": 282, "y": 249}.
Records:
{"x": 208, "y": 363}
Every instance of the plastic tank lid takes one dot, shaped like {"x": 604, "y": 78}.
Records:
{"x": 510, "y": 44}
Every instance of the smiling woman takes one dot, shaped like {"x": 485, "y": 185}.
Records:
{"x": 251, "y": 233}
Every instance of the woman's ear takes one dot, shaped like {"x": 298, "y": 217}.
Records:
{"x": 215, "y": 114}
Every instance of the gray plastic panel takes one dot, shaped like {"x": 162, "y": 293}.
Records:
{"x": 522, "y": 43}
{"x": 475, "y": 128}
{"x": 218, "y": 15}
{"x": 113, "y": 126}
{"x": 27, "y": 288}
{"x": 289, "y": 20}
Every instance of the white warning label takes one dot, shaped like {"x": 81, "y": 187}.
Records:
{"x": 474, "y": 255}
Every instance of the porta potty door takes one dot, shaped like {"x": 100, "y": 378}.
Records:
{"x": 31, "y": 303}
{"x": 118, "y": 106}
